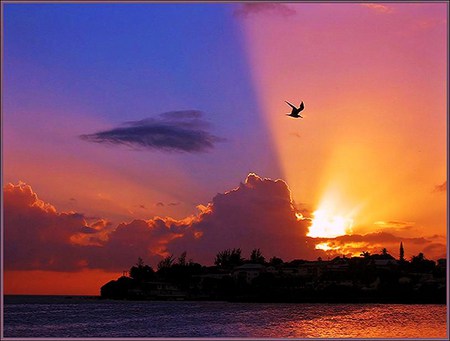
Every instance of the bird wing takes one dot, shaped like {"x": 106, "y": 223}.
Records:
{"x": 301, "y": 107}
{"x": 293, "y": 107}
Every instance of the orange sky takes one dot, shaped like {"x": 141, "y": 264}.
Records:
{"x": 372, "y": 145}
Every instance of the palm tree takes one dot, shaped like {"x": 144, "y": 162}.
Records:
{"x": 365, "y": 254}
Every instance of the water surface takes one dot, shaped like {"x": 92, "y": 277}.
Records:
{"x": 44, "y": 316}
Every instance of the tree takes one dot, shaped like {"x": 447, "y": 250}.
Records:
{"x": 257, "y": 257}
{"x": 141, "y": 272}
{"x": 384, "y": 252}
{"x": 402, "y": 253}
{"x": 229, "y": 258}
{"x": 365, "y": 254}
{"x": 182, "y": 259}
{"x": 166, "y": 262}
{"x": 275, "y": 261}
{"x": 420, "y": 264}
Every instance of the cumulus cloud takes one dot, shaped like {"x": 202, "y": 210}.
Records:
{"x": 39, "y": 237}
{"x": 259, "y": 213}
{"x": 264, "y": 7}
{"x": 379, "y": 8}
{"x": 179, "y": 131}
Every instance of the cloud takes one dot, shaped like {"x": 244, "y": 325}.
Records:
{"x": 394, "y": 226}
{"x": 442, "y": 188}
{"x": 429, "y": 23}
{"x": 176, "y": 131}
{"x": 247, "y": 9}
{"x": 161, "y": 204}
{"x": 39, "y": 237}
{"x": 353, "y": 245}
{"x": 379, "y": 8}
{"x": 140, "y": 238}
{"x": 259, "y": 213}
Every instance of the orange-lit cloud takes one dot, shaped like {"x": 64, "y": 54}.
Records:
{"x": 353, "y": 245}
{"x": 39, "y": 237}
{"x": 257, "y": 214}
{"x": 379, "y": 8}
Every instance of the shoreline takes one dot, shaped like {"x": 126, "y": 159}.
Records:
{"x": 327, "y": 300}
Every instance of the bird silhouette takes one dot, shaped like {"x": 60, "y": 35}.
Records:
{"x": 296, "y": 111}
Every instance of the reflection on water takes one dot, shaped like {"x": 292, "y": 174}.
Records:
{"x": 60, "y": 317}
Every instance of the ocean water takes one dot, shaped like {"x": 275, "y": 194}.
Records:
{"x": 64, "y": 317}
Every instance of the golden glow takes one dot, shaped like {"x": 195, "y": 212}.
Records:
{"x": 329, "y": 225}
{"x": 332, "y": 218}
{"x": 326, "y": 247}
{"x": 344, "y": 145}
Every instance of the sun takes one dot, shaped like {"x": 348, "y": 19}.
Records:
{"x": 328, "y": 225}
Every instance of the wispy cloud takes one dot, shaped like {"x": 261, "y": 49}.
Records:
{"x": 379, "y": 8}
{"x": 429, "y": 23}
{"x": 179, "y": 131}
{"x": 441, "y": 188}
{"x": 264, "y": 7}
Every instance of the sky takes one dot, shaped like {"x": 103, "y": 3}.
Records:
{"x": 150, "y": 129}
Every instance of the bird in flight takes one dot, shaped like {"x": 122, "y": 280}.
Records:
{"x": 296, "y": 111}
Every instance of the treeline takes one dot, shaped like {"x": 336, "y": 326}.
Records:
{"x": 368, "y": 278}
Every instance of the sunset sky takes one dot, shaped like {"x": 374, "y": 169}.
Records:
{"x": 146, "y": 129}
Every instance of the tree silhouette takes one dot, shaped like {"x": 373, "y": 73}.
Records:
{"x": 402, "y": 253}
{"x": 166, "y": 262}
{"x": 365, "y": 254}
{"x": 141, "y": 272}
{"x": 257, "y": 257}
{"x": 275, "y": 261}
{"x": 420, "y": 264}
{"x": 229, "y": 258}
{"x": 182, "y": 259}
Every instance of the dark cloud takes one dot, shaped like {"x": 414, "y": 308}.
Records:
{"x": 176, "y": 131}
{"x": 441, "y": 188}
{"x": 263, "y": 7}
{"x": 161, "y": 204}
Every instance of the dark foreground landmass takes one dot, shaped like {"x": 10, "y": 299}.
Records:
{"x": 368, "y": 279}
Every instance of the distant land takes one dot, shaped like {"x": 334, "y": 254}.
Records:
{"x": 370, "y": 278}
